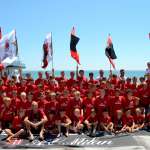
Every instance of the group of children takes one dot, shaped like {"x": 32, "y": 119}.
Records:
{"x": 57, "y": 105}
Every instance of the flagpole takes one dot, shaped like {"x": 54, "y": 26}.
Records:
{"x": 16, "y": 43}
{"x": 52, "y": 52}
{"x": 110, "y": 72}
{"x": 77, "y": 71}
{"x": 110, "y": 67}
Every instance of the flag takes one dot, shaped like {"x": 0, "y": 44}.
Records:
{"x": 73, "y": 42}
{"x": 149, "y": 35}
{"x": 47, "y": 50}
{"x": 7, "y": 47}
{"x": 0, "y": 33}
{"x": 109, "y": 51}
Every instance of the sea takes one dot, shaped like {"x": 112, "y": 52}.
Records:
{"x": 128, "y": 73}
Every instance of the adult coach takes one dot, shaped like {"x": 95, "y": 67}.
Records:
{"x": 34, "y": 121}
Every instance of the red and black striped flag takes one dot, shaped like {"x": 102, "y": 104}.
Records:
{"x": 109, "y": 51}
{"x": 73, "y": 42}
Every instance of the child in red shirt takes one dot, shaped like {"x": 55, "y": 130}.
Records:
{"x": 7, "y": 113}
{"x": 106, "y": 122}
{"x": 24, "y": 104}
{"x": 129, "y": 121}
{"x": 63, "y": 123}
{"x": 88, "y": 104}
{"x": 64, "y": 100}
{"x": 77, "y": 121}
{"x": 119, "y": 125}
{"x": 101, "y": 102}
{"x": 139, "y": 119}
{"x": 51, "y": 124}
{"x": 76, "y": 102}
{"x": 52, "y": 103}
{"x": 92, "y": 122}
{"x": 17, "y": 128}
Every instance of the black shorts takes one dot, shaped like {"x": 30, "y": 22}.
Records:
{"x": 63, "y": 129}
{"x": 36, "y": 131}
{"x": 6, "y": 124}
{"x": 118, "y": 128}
{"x": 51, "y": 128}
{"x": 22, "y": 135}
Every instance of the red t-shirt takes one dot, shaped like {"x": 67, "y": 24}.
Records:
{"x": 21, "y": 89}
{"x": 10, "y": 89}
{"x": 16, "y": 103}
{"x": 92, "y": 81}
{"x": 145, "y": 96}
{"x": 51, "y": 121}
{"x": 35, "y": 116}
{"x": 72, "y": 105}
{"x": 88, "y": 104}
{"x": 117, "y": 103}
{"x": 139, "y": 119}
{"x": 105, "y": 120}
{"x": 38, "y": 81}
{"x": 8, "y": 113}
{"x": 3, "y": 88}
{"x": 129, "y": 120}
{"x": 76, "y": 119}
{"x": 26, "y": 105}
{"x": 130, "y": 104}
{"x": 52, "y": 105}
{"x": 63, "y": 103}
{"x": 71, "y": 82}
{"x": 17, "y": 123}
{"x": 100, "y": 105}
{"x": 42, "y": 103}
{"x": 92, "y": 119}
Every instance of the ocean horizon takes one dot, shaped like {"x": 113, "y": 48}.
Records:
{"x": 128, "y": 73}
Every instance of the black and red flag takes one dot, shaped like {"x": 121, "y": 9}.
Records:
{"x": 73, "y": 42}
{"x": 109, "y": 51}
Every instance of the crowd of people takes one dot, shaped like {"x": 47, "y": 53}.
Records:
{"x": 57, "y": 105}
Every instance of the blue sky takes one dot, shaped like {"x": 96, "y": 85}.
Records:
{"x": 127, "y": 20}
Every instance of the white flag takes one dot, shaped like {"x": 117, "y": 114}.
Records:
{"x": 8, "y": 48}
{"x": 47, "y": 50}
{"x": 48, "y": 41}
